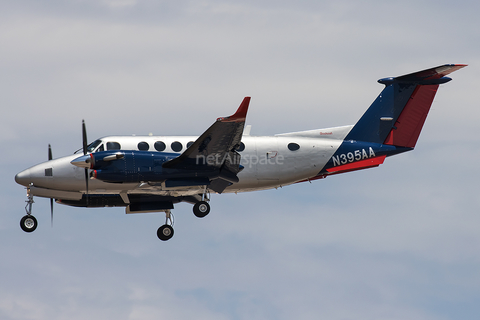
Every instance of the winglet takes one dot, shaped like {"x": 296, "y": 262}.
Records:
{"x": 241, "y": 113}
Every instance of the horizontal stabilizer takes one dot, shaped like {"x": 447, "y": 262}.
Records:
{"x": 430, "y": 74}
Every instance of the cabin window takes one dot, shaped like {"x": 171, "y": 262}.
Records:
{"x": 293, "y": 146}
{"x": 143, "y": 146}
{"x": 113, "y": 146}
{"x": 176, "y": 146}
{"x": 189, "y": 144}
{"x": 101, "y": 148}
{"x": 241, "y": 147}
{"x": 159, "y": 146}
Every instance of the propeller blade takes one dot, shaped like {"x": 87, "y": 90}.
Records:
{"x": 84, "y": 140}
{"x": 84, "y": 137}
{"x": 51, "y": 211}
{"x": 50, "y": 157}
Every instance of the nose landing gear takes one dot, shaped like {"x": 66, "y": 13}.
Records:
{"x": 28, "y": 223}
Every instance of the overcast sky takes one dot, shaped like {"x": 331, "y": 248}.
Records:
{"x": 401, "y": 241}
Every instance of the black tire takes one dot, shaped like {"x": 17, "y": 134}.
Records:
{"x": 28, "y": 223}
{"x": 165, "y": 232}
{"x": 201, "y": 209}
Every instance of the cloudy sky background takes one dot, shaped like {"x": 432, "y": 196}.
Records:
{"x": 400, "y": 241}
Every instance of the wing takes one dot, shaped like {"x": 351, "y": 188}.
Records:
{"x": 215, "y": 149}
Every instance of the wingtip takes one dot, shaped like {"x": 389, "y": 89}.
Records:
{"x": 447, "y": 69}
{"x": 241, "y": 113}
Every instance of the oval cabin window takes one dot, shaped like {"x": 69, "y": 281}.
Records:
{"x": 293, "y": 146}
{"x": 176, "y": 146}
{"x": 159, "y": 146}
{"x": 143, "y": 146}
{"x": 241, "y": 147}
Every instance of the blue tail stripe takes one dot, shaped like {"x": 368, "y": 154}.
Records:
{"x": 377, "y": 121}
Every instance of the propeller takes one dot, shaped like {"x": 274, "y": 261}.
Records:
{"x": 84, "y": 140}
{"x": 84, "y": 137}
{"x": 50, "y": 157}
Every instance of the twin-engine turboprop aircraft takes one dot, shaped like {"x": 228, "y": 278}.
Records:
{"x": 152, "y": 173}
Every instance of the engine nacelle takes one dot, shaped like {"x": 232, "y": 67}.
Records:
{"x": 138, "y": 166}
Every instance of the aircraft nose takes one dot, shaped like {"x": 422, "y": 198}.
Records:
{"x": 23, "y": 178}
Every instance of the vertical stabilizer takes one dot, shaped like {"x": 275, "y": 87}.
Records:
{"x": 397, "y": 116}
{"x": 409, "y": 124}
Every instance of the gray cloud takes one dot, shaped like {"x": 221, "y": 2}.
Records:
{"x": 399, "y": 241}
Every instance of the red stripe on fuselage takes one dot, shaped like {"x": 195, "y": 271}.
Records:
{"x": 362, "y": 164}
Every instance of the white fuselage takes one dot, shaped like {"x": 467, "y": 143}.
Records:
{"x": 268, "y": 161}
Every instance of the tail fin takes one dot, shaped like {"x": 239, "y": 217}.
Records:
{"x": 397, "y": 116}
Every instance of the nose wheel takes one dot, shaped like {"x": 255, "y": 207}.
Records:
{"x": 28, "y": 223}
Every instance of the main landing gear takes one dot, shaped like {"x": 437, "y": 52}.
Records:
{"x": 28, "y": 223}
{"x": 165, "y": 232}
{"x": 200, "y": 210}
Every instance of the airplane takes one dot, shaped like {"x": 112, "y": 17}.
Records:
{"x": 152, "y": 173}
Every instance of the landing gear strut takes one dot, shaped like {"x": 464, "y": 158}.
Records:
{"x": 165, "y": 232}
{"x": 28, "y": 223}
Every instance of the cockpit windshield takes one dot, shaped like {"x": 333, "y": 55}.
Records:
{"x": 92, "y": 146}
